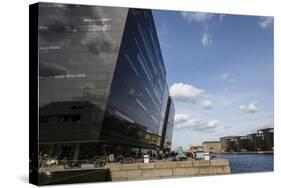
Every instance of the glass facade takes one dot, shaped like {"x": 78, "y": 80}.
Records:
{"x": 170, "y": 126}
{"x": 102, "y": 80}
{"x": 78, "y": 48}
{"x": 134, "y": 107}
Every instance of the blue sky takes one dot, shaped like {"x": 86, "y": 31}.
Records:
{"x": 219, "y": 71}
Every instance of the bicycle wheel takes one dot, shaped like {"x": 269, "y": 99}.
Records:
{"x": 129, "y": 160}
{"x": 120, "y": 159}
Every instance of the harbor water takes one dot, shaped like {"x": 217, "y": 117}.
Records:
{"x": 243, "y": 163}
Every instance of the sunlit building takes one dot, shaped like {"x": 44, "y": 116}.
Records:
{"x": 212, "y": 146}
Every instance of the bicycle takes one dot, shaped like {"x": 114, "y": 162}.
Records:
{"x": 124, "y": 160}
{"x": 72, "y": 164}
{"x": 99, "y": 161}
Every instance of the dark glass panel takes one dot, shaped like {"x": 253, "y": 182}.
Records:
{"x": 134, "y": 110}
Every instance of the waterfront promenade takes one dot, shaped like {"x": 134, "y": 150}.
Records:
{"x": 248, "y": 152}
{"x": 134, "y": 171}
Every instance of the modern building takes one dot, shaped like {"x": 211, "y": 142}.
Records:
{"x": 262, "y": 140}
{"x": 266, "y": 138}
{"x": 167, "y": 131}
{"x": 102, "y": 82}
{"x": 212, "y": 146}
{"x": 255, "y": 142}
{"x": 244, "y": 143}
{"x": 230, "y": 144}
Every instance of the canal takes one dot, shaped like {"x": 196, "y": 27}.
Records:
{"x": 243, "y": 163}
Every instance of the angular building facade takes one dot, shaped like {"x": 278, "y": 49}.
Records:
{"x": 102, "y": 82}
{"x": 230, "y": 144}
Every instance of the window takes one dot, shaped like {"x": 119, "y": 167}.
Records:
{"x": 75, "y": 118}
{"x": 124, "y": 117}
{"x": 63, "y": 118}
{"x": 60, "y": 118}
{"x": 154, "y": 119}
{"x": 53, "y": 118}
{"x": 132, "y": 65}
{"x": 140, "y": 103}
{"x": 142, "y": 59}
{"x": 145, "y": 70}
{"x": 91, "y": 27}
{"x": 143, "y": 36}
{"x": 155, "y": 103}
{"x": 43, "y": 119}
{"x": 49, "y": 47}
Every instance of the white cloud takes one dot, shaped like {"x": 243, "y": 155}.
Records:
{"x": 206, "y": 19}
{"x": 250, "y": 108}
{"x": 207, "y": 104}
{"x": 225, "y": 75}
{"x": 206, "y": 40}
{"x": 185, "y": 92}
{"x": 197, "y": 16}
{"x": 182, "y": 121}
{"x": 213, "y": 123}
{"x": 266, "y": 22}
{"x": 201, "y": 17}
{"x": 181, "y": 118}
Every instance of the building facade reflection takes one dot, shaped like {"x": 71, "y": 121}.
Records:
{"x": 102, "y": 82}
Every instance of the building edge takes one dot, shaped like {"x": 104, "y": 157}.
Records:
{"x": 33, "y": 93}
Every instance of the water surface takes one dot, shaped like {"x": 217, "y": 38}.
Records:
{"x": 241, "y": 163}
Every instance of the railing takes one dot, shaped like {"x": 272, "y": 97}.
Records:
{"x": 98, "y": 162}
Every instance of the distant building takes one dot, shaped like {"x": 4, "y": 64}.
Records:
{"x": 254, "y": 142}
{"x": 230, "y": 144}
{"x": 244, "y": 144}
{"x": 262, "y": 140}
{"x": 266, "y": 138}
{"x": 212, "y": 146}
{"x": 195, "y": 148}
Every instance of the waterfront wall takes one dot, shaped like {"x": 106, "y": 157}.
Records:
{"x": 158, "y": 170}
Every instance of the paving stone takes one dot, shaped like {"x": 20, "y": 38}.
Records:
{"x": 201, "y": 163}
{"x": 166, "y": 164}
{"x": 118, "y": 175}
{"x": 157, "y": 173}
{"x": 184, "y": 164}
{"x": 147, "y": 165}
{"x": 219, "y": 162}
{"x": 135, "y": 166}
{"x": 185, "y": 171}
{"x": 134, "y": 174}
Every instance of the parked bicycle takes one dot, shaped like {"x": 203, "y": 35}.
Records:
{"x": 72, "y": 164}
{"x": 127, "y": 160}
{"x": 100, "y": 161}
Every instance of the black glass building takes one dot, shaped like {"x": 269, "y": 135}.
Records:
{"x": 101, "y": 81}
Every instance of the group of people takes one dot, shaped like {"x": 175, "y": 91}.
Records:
{"x": 46, "y": 160}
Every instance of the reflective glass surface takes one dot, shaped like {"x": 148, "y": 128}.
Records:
{"x": 170, "y": 126}
{"x": 102, "y": 79}
{"x": 134, "y": 112}
{"x": 78, "y": 49}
